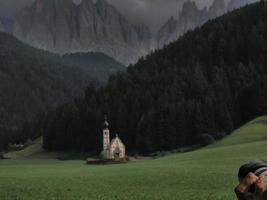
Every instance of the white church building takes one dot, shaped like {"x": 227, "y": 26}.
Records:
{"x": 114, "y": 149}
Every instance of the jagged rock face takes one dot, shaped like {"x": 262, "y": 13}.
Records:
{"x": 217, "y": 8}
{"x": 191, "y": 16}
{"x": 166, "y": 32}
{"x": 62, "y": 27}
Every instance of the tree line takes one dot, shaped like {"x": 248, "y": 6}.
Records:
{"x": 208, "y": 82}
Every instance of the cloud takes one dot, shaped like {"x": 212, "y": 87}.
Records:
{"x": 151, "y": 12}
{"x": 8, "y": 8}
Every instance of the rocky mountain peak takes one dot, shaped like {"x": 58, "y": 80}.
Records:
{"x": 171, "y": 21}
{"x": 61, "y": 26}
{"x": 63, "y": 3}
{"x": 189, "y": 7}
{"x": 39, "y": 5}
{"x": 102, "y": 3}
{"x": 217, "y": 8}
{"x": 165, "y": 33}
{"x": 191, "y": 16}
{"x": 87, "y": 3}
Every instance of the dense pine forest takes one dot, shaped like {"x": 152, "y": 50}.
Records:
{"x": 32, "y": 80}
{"x": 197, "y": 89}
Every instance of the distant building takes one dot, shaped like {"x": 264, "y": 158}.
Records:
{"x": 114, "y": 149}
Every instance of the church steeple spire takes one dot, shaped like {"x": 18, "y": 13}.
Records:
{"x": 106, "y": 139}
{"x": 106, "y": 124}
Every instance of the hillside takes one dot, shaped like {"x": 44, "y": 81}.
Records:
{"x": 29, "y": 152}
{"x": 205, "y": 174}
{"x": 191, "y": 16}
{"x": 251, "y": 132}
{"x": 33, "y": 81}
{"x": 209, "y": 81}
{"x": 254, "y": 131}
{"x": 36, "y": 151}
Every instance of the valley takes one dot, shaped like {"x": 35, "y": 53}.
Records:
{"x": 94, "y": 106}
{"x": 206, "y": 174}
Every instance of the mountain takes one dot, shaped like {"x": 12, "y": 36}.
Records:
{"x": 62, "y": 27}
{"x": 191, "y": 17}
{"x": 33, "y": 80}
{"x": 234, "y": 4}
{"x": 218, "y": 8}
{"x": 197, "y": 89}
{"x": 170, "y": 27}
{"x": 98, "y": 65}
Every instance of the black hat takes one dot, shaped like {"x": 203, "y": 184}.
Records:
{"x": 255, "y": 166}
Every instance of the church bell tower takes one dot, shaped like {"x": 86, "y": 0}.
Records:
{"x": 106, "y": 139}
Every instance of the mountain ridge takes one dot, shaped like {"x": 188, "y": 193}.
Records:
{"x": 191, "y": 17}
{"x": 33, "y": 81}
{"x": 97, "y": 26}
{"x": 64, "y": 27}
{"x": 193, "y": 91}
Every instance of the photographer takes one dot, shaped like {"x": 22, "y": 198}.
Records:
{"x": 252, "y": 181}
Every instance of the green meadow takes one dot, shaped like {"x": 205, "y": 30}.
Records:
{"x": 205, "y": 174}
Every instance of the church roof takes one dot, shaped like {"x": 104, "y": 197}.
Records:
{"x": 114, "y": 139}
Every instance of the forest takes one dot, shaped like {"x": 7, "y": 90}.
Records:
{"x": 200, "y": 87}
{"x": 33, "y": 81}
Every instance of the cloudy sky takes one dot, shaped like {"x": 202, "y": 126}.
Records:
{"x": 151, "y": 12}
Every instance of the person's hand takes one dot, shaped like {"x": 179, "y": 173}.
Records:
{"x": 242, "y": 190}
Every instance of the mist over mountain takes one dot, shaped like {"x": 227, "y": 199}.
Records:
{"x": 98, "y": 65}
{"x": 208, "y": 82}
{"x": 32, "y": 81}
{"x": 150, "y": 11}
{"x": 61, "y": 26}
{"x": 7, "y": 24}
{"x": 97, "y": 26}
{"x": 1, "y": 26}
{"x": 191, "y": 16}
{"x": 236, "y": 3}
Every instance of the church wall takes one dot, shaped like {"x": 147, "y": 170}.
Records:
{"x": 113, "y": 147}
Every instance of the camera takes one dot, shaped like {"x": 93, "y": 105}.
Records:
{"x": 258, "y": 167}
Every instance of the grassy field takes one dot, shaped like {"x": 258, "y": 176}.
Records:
{"x": 206, "y": 174}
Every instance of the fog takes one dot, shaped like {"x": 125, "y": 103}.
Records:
{"x": 151, "y": 12}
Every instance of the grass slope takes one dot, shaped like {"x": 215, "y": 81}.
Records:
{"x": 254, "y": 131}
{"x": 36, "y": 151}
{"x": 28, "y": 152}
{"x": 206, "y": 174}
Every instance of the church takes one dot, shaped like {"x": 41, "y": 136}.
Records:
{"x": 114, "y": 149}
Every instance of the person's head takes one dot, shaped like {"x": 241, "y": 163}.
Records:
{"x": 257, "y": 167}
